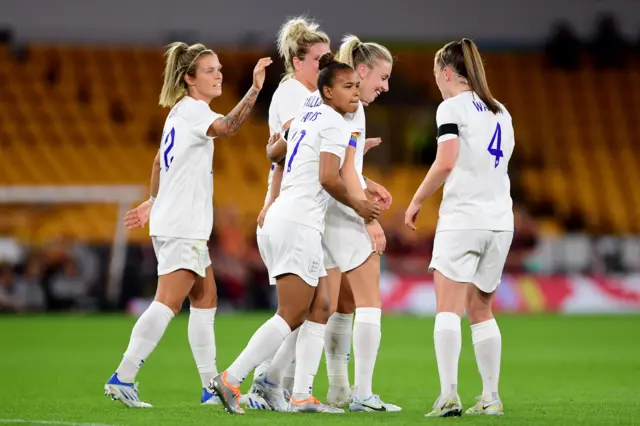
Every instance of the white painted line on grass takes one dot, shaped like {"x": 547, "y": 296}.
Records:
{"x": 51, "y": 422}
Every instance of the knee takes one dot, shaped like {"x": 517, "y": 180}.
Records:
{"x": 347, "y": 304}
{"x": 173, "y": 304}
{"x": 320, "y": 311}
{"x": 477, "y": 313}
{"x": 208, "y": 300}
{"x": 293, "y": 315}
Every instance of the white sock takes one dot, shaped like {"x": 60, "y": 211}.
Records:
{"x": 145, "y": 335}
{"x": 290, "y": 375}
{"x": 203, "y": 343}
{"x": 337, "y": 348}
{"x": 366, "y": 342}
{"x": 487, "y": 344}
{"x": 447, "y": 338}
{"x": 262, "y": 368}
{"x": 283, "y": 358}
{"x": 264, "y": 343}
{"x": 308, "y": 355}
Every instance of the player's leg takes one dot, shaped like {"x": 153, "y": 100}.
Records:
{"x": 276, "y": 385}
{"x": 337, "y": 341}
{"x": 309, "y": 353}
{"x": 173, "y": 288}
{"x": 293, "y": 255}
{"x": 264, "y": 365}
{"x": 294, "y": 299}
{"x": 317, "y": 315}
{"x": 365, "y": 285}
{"x": 485, "y": 333}
{"x": 204, "y": 301}
{"x": 447, "y": 339}
{"x": 454, "y": 262}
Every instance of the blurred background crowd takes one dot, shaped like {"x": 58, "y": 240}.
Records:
{"x": 76, "y": 115}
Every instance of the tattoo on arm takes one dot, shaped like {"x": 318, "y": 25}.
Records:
{"x": 232, "y": 122}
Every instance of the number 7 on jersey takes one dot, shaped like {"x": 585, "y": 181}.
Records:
{"x": 300, "y": 136}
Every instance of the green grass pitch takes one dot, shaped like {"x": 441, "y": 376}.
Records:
{"x": 555, "y": 371}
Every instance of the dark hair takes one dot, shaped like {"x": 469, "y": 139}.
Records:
{"x": 329, "y": 67}
{"x": 464, "y": 59}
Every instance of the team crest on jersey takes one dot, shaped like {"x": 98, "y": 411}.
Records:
{"x": 314, "y": 265}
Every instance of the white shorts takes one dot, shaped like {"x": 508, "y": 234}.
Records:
{"x": 181, "y": 253}
{"x": 472, "y": 256}
{"x": 288, "y": 247}
{"x": 346, "y": 240}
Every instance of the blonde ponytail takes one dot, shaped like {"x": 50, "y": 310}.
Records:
{"x": 295, "y": 37}
{"x": 180, "y": 60}
{"x": 353, "y": 52}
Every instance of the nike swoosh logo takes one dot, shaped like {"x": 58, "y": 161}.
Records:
{"x": 381, "y": 408}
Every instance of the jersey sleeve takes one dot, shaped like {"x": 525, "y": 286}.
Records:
{"x": 335, "y": 140}
{"x": 290, "y": 101}
{"x": 447, "y": 121}
{"x": 200, "y": 117}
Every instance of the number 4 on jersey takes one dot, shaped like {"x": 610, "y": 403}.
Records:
{"x": 497, "y": 151}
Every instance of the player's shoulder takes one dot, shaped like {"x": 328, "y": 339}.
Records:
{"x": 189, "y": 108}
{"x": 331, "y": 118}
{"x": 289, "y": 89}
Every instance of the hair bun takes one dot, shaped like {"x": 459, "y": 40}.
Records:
{"x": 326, "y": 60}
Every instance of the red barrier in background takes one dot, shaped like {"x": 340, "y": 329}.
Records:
{"x": 525, "y": 293}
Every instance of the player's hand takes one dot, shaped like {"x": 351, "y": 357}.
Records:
{"x": 259, "y": 72}
{"x": 368, "y": 210}
{"x": 379, "y": 194}
{"x": 411, "y": 215}
{"x": 273, "y": 138}
{"x": 263, "y": 214}
{"x": 378, "y": 240}
{"x": 371, "y": 143}
{"x": 138, "y": 217}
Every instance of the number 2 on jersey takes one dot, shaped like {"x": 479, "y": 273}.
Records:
{"x": 300, "y": 135}
{"x": 167, "y": 148}
{"x": 497, "y": 139}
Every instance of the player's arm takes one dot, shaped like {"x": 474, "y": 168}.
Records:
{"x": 448, "y": 146}
{"x": 348, "y": 171}
{"x": 139, "y": 216}
{"x": 446, "y": 157}
{"x": 229, "y": 125}
{"x": 331, "y": 153}
{"x": 155, "y": 177}
{"x": 278, "y": 171}
{"x": 439, "y": 171}
{"x": 277, "y": 151}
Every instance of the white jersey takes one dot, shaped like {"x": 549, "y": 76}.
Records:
{"x": 184, "y": 205}
{"x": 317, "y": 128}
{"x": 477, "y": 192}
{"x": 285, "y": 104}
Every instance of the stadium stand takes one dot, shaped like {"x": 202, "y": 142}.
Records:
{"x": 89, "y": 115}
